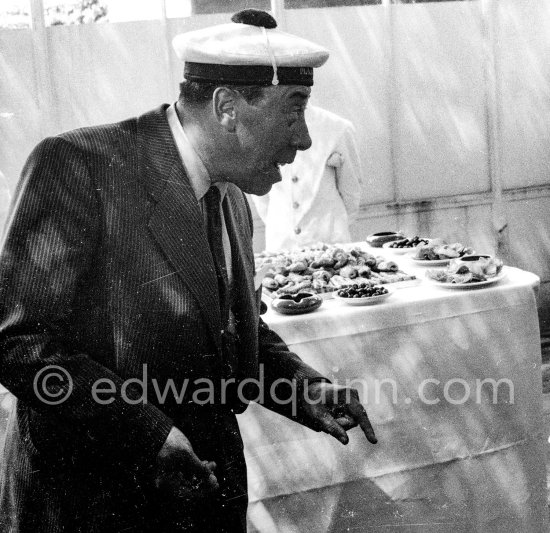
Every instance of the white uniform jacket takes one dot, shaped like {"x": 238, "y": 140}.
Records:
{"x": 320, "y": 192}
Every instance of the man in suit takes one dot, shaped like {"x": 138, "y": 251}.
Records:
{"x": 129, "y": 324}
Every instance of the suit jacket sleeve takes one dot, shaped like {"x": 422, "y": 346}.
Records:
{"x": 290, "y": 374}
{"x": 47, "y": 253}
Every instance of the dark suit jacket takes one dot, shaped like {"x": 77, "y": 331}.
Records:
{"x": 105, "y": 272}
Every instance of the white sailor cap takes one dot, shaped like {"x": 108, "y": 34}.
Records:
{"x": 248, "y": 51}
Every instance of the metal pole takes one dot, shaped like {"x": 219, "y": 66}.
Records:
{"x": 278, "y": 12}
{"x": 42, "y": 66}
{"x": 392, "y": 90}
{"x": 489, "y": 14}
{"x": 170, "y": 77}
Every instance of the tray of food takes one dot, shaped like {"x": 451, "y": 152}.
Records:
{"x": 324, "y": 270}
{"x": 363, "y": 294}
{"x": 404, "y": 246}
{"x": 468, "y": 272}
{"x": 437, "y": 252}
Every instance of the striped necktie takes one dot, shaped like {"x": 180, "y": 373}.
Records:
{"x": 214, "y": 232}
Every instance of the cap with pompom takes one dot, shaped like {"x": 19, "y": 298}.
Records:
{"x": 248, "y": 51}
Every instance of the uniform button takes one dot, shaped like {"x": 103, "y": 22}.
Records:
{"x": 294, "y": 179}
{"x": 296, "y": 205}
{"x": 297, "y": 231}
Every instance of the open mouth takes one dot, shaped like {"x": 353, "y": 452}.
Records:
{"x": 276, "y": 165}
{"x": 279, "y": 164}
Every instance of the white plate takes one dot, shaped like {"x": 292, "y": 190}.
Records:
{"x": 397, "y": 251}
{"x": 369, "y": 300}
{"x": 431, "y": 262}
{"x": 474, "y": 285}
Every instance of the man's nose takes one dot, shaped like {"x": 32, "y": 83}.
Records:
{"x": 301, "y": 139}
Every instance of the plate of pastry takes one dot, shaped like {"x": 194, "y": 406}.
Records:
{"x": 438, "y": 253}
{"x": 468, "y": 272}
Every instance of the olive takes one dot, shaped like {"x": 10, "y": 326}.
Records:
{"x": 361, "y": 291}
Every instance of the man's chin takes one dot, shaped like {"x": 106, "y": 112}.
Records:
{"x": 257, "y": 189}
{"x": 258, "y": 184}
{"x": 263, "y": 183}
{"x": 262, "y": 191}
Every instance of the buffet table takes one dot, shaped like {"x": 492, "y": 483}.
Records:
{"x": 454, "y": 453}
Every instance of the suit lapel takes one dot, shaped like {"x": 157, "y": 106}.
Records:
{"x": 176, "y": 221}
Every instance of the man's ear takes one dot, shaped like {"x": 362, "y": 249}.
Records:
{"x": 224, "y": 102}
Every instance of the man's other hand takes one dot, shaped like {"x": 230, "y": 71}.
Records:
{"x": 179, "y": 472}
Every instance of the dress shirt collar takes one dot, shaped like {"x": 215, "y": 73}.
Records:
{"x": 196, "y": 171}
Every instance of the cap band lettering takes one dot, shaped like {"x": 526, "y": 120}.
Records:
{"x": 246, "y": 75}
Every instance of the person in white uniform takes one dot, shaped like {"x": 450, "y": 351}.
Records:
{"x": 320, "y": 192}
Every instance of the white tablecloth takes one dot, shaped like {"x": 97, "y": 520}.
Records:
{"x": 456, "y": 462}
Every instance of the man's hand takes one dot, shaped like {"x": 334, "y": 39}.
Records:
{"x": 334, "y": 410}
{"x": 179, "y": 472}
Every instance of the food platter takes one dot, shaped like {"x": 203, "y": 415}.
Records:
{"x": 370, "y": 300}
{"x": 298, "y": 304}
{"x": 367, "y": 300}
{"x": 397, "y": 251}
{"x": 324, "y": 269}
{"x": 437, "y": 252}
{"x": 471, "y": 285}
{"x": 431, "y": 262}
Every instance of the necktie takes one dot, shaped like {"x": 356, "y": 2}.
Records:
{"x": 214, "y": 232}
